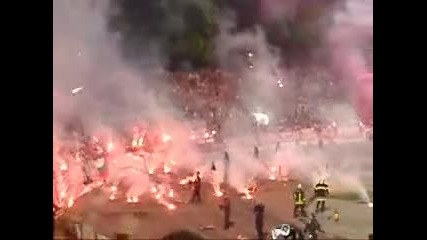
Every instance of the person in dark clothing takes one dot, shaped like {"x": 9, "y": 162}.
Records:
{"x": 226, "y": 167}
{"x": 299, "y": 201}
{"x": 321, "y": 191}
{"x": 226, "y": 207}
{"x": 256, "y": 152}
{"x": 259, "y": 220}
{"x": 196, "y": 188}
{"x": 277, "y": 146}
{"x": 312, "y": 227}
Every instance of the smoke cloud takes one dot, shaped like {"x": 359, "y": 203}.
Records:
{"x": 115, "y": 95}
{"x": 346, "y": 33}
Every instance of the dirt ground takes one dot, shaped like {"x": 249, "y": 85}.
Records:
{"x": 147, "y": 219}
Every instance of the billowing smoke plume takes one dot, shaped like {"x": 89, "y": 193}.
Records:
{"x": 350, "y": 41}
{"x": 87, "y": 56}
{"x": 270, "y": 85}
{"x": 95, "y": 87}
{"x": 96, "y": 92}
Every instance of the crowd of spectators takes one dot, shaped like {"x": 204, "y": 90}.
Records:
{"x": 205, "y": 95}
{"x": 212, "y": 96}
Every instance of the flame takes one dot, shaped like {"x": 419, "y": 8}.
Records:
{"x": 166, "y": 138}
{"x": 158, "y": 196}
{"x": 247, "y": 194}
{"x": 132, "y": 199}
{"x": 166, "y": 169}
{"x": 63, "y": 194}
{"x": 137, "y": 141}
{"x": 206, "y": 135}
{"x": 168, "y": 205}
{"x": 171, "y": 193}
{"x": 272, "y": 173}
{"x": 171, "y": 206}
{"x": 70, "y": 202}
{"x": 217, "y": 190}
{"x": 63, "y": 167}
{"x": 110, "y": 147}
{"x": 186, "y": 180}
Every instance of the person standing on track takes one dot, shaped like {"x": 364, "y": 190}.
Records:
{"x": 299, "y": 201}
{"x": 226, "y": 167}
{"x": 321, "y": 191}
{"x": 259, "y": 220}
{"x": 226, "y": 207}
{"x": 196, "y": 188}
{"x": 256, "y": 152}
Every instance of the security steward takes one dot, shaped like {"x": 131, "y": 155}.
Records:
{"x": 321, "y": 191}
{"x": 299, "y": 201}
